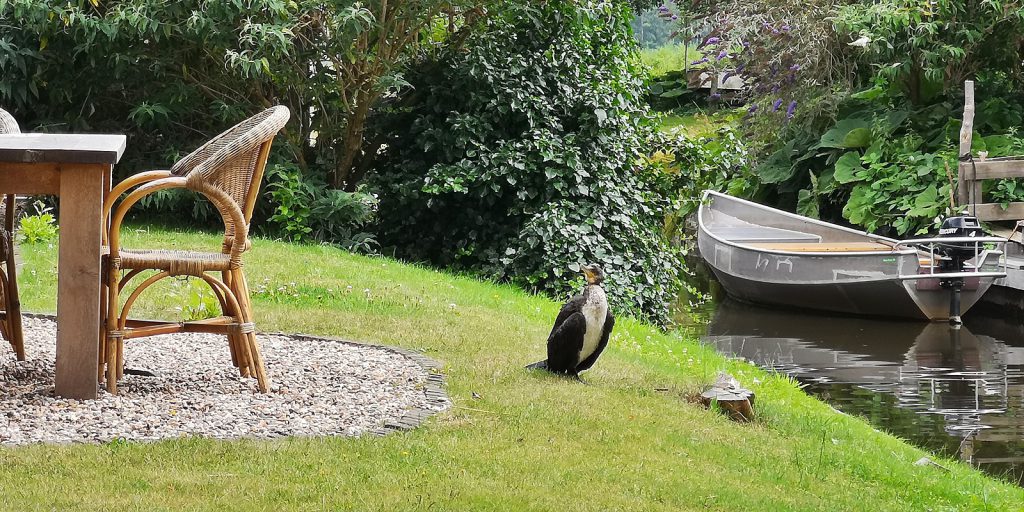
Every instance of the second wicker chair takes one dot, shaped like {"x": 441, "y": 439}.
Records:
{"x": 10, "y": 318}
{"x": 227, "y": 171}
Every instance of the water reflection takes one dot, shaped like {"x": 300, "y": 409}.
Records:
{"x": 959, "y": 391}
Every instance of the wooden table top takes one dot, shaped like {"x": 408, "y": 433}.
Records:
{"x": 61, "y": 148}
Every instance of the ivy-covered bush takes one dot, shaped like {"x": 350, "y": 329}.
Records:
{"x": 522, "y": 157}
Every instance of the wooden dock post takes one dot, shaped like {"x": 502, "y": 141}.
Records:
{"x": 965, "y": 187}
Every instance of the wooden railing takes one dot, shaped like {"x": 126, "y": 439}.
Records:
{"x": 974, "y": 169}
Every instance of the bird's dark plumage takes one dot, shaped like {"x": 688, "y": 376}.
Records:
{"x": 581, "y": 329}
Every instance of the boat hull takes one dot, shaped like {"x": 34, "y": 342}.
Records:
{"x": 883, "y": 298}
{"x": 871, "y": 283}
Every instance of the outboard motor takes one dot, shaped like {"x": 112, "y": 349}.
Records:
{"x": 954, "y": 255}
{"x": 957, "y": 252}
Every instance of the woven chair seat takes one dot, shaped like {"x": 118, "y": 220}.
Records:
{"x": 176, "y": 262}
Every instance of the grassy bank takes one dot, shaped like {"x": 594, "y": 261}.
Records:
{"x": 627, "y": 441}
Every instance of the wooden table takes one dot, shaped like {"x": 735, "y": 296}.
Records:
{"x": 78, "y": 169}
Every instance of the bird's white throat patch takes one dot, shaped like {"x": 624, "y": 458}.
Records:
{"x": 595, "y": 311}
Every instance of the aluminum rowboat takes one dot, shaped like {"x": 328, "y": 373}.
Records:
{"x": 767, "y": 256}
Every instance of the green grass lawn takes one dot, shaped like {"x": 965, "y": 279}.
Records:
{"x": 697, "y": 124}
{"x": 627, "y": 441}
{"x": 671, "y": 57}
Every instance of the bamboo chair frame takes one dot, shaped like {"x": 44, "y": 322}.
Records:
{"x": 10, "y": 317}
{"x": 226, "y": 171}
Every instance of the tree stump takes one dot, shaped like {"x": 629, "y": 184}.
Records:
{"x": 732, "y": 399}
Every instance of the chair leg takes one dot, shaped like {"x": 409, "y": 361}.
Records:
{"x": 241, "y": 289}
{"x": 13, "y": 303}
{"x": 234, "y": 341}
{"x": 112, "y": 338}
{"x": 102, "y": 349}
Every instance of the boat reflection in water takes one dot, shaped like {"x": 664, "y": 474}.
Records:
{"x": 957, "y": 391}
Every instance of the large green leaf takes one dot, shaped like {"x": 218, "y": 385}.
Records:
{"x": 847, "y": 167}
{"x": 999, "y": 145}
{"x": 778, "y": 167}
{"x": 807, "y": 204}
{"x": 848, "y": 133}
{"x": 807, "y": 199}
{"x": 869, "y": 94}
{"x": 857, "y": 208}
{"x": 926, "y": 203}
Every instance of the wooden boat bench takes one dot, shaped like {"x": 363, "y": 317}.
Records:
{"x": 825, "y": 247}
{"x": 751, "y": 233}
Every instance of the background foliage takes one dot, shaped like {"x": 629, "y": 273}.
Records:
{"x": 852, "y": 109}
{"x": 173, "y": 74}
{"x": 522, "y": 157}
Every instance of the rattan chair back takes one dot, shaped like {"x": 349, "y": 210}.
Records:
{"x": 7, "y": 123}
{"x": 232, "y": 161}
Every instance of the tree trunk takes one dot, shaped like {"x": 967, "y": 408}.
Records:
{"x": 352, "y": 141}
{"x": 913, "y": 83}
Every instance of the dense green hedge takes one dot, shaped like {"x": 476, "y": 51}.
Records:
{"x": 524, "y": 157}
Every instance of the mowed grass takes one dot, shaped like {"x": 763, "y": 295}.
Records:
{"x": 627, "y": 441}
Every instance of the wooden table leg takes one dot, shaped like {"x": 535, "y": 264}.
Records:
{"x": 78, "y": 280}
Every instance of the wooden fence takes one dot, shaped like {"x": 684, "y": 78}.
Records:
{"x": 974, "y": 169}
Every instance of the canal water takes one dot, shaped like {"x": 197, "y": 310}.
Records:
{"x": 959, "y": 392}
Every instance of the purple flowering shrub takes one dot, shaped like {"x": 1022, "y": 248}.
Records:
{"x": 783, "y": 51}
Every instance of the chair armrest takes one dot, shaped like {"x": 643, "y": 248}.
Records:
{"x": 220, "y": 200}
{"x": 122, "y": 187}
{"x": 130, "y": 182}
{"x": 154, "y": 185}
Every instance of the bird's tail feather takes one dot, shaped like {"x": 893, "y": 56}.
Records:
{"x": 539, "y": 365}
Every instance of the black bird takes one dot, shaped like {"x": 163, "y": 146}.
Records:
{"x": 581, "y": 329}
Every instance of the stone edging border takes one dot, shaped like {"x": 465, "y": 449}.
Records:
{"x": 434, "y": 389}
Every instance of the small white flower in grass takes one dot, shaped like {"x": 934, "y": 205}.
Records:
{"x": 451, "y": 306}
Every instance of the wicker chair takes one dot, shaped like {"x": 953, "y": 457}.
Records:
{"x": 10, "y": 318}
{"x": 227, "y": 171}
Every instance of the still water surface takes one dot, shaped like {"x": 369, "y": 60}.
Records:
{"x": 955, "y": 391}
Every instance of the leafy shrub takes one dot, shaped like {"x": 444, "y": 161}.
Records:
{"x": 521, "y": 157}
{"x": 307, "y": 210}
{"x": 38, "y": 228}
{"x": 896, "y": 185}
{"x": 683, "y": 167}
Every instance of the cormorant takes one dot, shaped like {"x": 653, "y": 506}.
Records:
{"x": 581, "y": 329}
